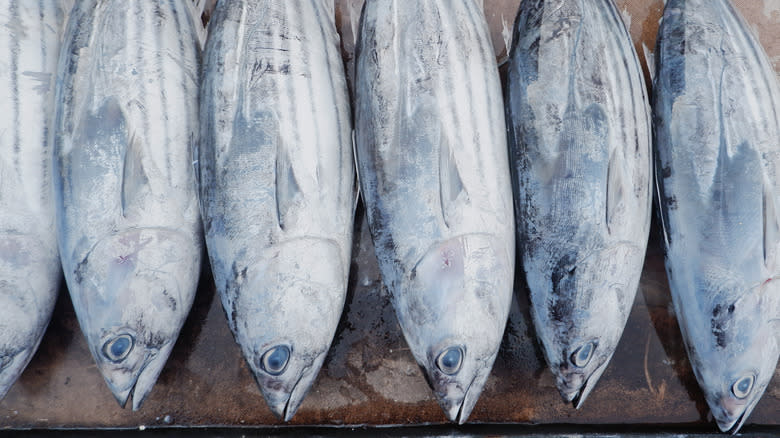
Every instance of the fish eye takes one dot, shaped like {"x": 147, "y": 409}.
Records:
{"x": 582, "y": 356}
{"x": 274, "y": 361}
{"x": 450, "y": 360}
{"x": 5, "y": 361}
{"x": 118, "y": 348}
{"x": 742, "y": 387}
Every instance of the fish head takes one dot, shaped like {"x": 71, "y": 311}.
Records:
{"x": 581, "y": 320}
{"x": 453, "y": 310}
{"x": 134, "y": 290}
{"x": 26, "y": 302}
{"x": 736, "y": 359}
{"x": 285, "y": 316}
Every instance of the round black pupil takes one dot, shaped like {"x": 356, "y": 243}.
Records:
{"x": 119, "y": 346}
{"x": 277, "y": 358}
{"x": 451, "y": 359}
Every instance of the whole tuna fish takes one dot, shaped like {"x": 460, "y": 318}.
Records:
{"x": 277, "y": 186}
{"x": 717, "y": 114}
{"x": 127, "y": 206}
{"x": 579, "y": 129}
{"x": 29, "y": 263}
{"x": 432, "y": 159}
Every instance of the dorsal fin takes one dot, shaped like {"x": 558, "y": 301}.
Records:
{"x": 287, "y": 188}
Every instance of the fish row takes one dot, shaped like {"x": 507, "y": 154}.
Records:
{"x": 129, "y": 149}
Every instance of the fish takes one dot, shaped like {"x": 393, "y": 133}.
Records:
{"x": 30, "y": 272}
{"x": 717, "y": 125}
{"x": 434, "y": 176}
{"x": 277, "y": 186}
{"x": 580, "y": 139}
{"x": 125, "y": 188}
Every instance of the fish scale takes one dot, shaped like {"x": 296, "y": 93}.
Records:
{"x": 277, "y": 186}
{"x": 579, "y": 129}
{"x": 126, "y": 198}
{"x": 717, "y": 114}
{"x": 29, "y": 262}
{"x": 431, "y": 149}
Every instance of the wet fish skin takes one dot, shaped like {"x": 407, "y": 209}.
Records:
{"x": 128, "y": 219}
{"x": 579, "y": 135}
{"x": 277, "y": 186}
{"x": 432, "y": 160}
{"x": 29, "y": 262}
{"x": 717, "y": 125}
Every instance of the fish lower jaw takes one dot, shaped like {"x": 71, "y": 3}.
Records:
{"x": 574, "y": 396}
{"x": 453, "y": 410}
{"x": 729, "y": 423}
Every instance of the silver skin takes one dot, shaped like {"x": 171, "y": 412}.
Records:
{"x": 278, "y": 186}
{"x": 717, "y": 114}
{"x": 29, "y": 262}
{"x": 432, "y": 160}
{"x": 579, "y": 132}
{"x": 126, "y": 195}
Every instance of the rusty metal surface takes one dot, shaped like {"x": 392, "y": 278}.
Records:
{"x": 370, "y": 376}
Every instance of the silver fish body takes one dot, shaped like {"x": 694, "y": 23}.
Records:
{"x": 29, "y": 262}
{"x": 432, "y": 161}
{"x": 128, "y": 218}
{"x": 277, "y": 186}
{"x": 717, "y": 116}
{"x": 580, "y": 135}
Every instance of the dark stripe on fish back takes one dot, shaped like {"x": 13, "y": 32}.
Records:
{"x": 291, "y": 90}
{"x": 487, "y": 58}
{"x": 183, "y": 83}
{"x": 619, "y": 39}
{"x": 45, "y": 128}
{"x": 323, "y": 19}
{"x": 140, "y": 31}
{"x": 306, "y": 42}
{"x": 741, "y": 30}
{"x": 160, "y": 21}
{"x": 13, "y": 24}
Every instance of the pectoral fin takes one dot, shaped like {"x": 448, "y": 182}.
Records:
{"x": 135, "y": 182}
{"x": 287, "y": 187}
{"x": 450, "y": 182}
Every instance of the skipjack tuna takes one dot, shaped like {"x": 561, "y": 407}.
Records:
{"x": 579, "y": 124}
{"x": 278, "y": 186}
{"x": 432, "y": 160}
{"x": 29, "y": 263}
{"x": 125, "y": 188}
{"x": 717, "y": 118}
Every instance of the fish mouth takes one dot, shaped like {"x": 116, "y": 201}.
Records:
{"x": 142, "y": 384}
{"x": 578, "y": 397}
{"x": 458, "y": 410}
{"x": 286, "y": 408}
{"x": 733, "y": 426}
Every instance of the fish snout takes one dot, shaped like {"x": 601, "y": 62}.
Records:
{"x": 456, "y": 395}
{"x": 728, "y": 412}
{"x": 569, "y": 382}
{"x": 453, "y": 400}
{"x": 285, "y": 390}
